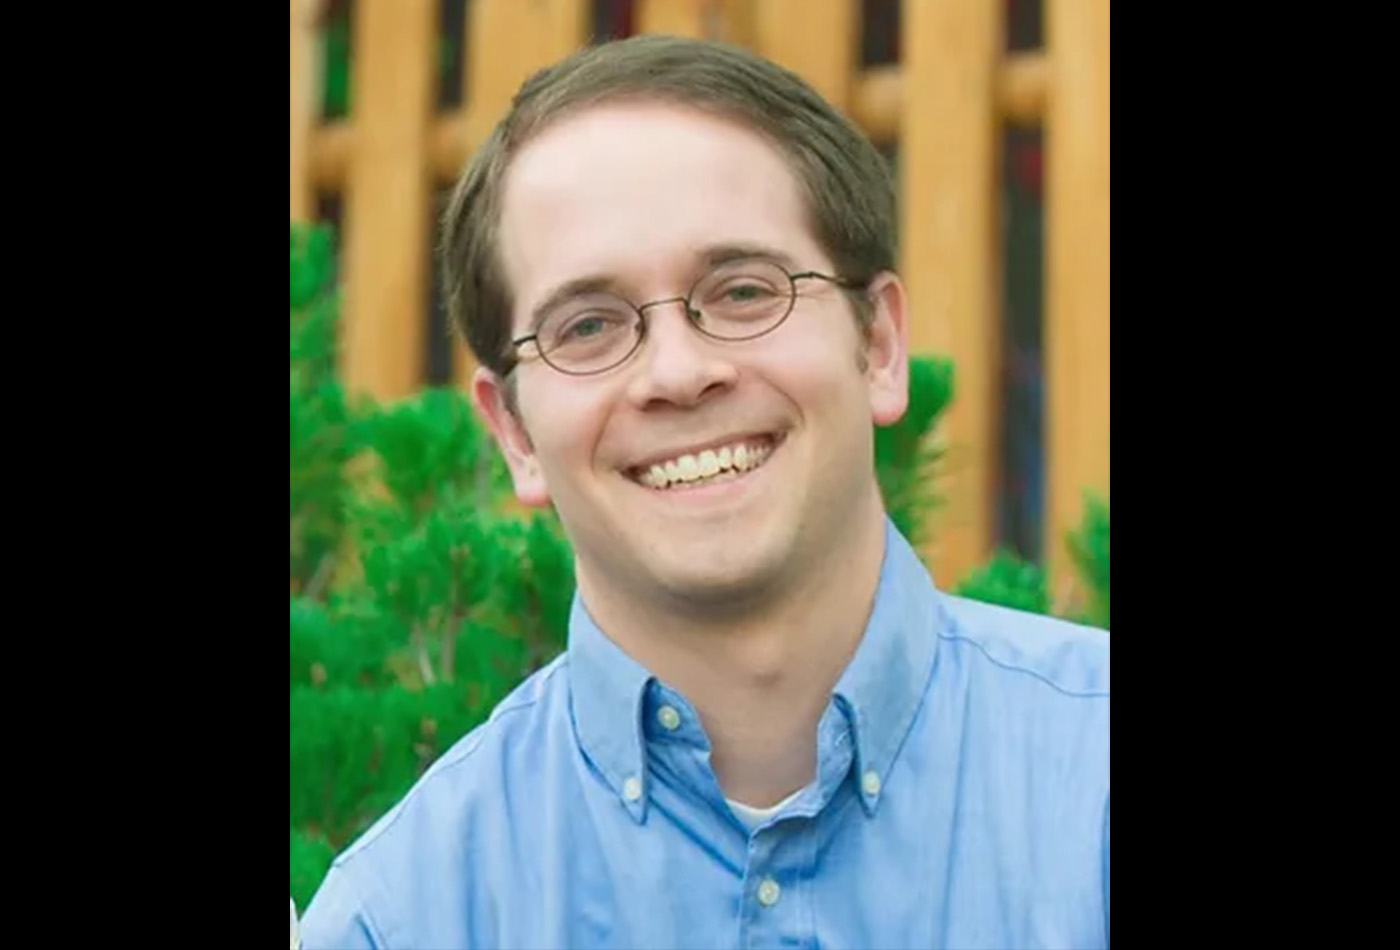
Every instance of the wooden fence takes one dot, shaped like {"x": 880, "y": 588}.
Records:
{"x": 944, "y": 104}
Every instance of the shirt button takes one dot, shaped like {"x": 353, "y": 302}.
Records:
{"x": 631, "y": 789}
{"x": 769, "y": 892}
{"x": 870, "y": 783}
{"x": 669, "y": 717}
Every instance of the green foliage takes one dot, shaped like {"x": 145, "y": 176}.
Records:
{"x": 323, "y": 431}
{"x": 355, "y": 750}
{"x": 311, "y": 856}
{"x": 434, "y": 575}
{"x": 430, "y": 446}
{"x": 1088, "y": 547}
{"x": 1008, "y": 581}
{"x": 906, "y": 453}
{"x": 339, "y": 648}
{"x": 312, "y": 262}
{"x": 533, "y": 584}
{"x": 441, "y": 599}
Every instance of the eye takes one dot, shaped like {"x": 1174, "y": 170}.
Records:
{"x": 743, "y": 297}
{"x": 585, "y": 327}
{"x": 588, "y": 327}
{"x": 746, "y": 292}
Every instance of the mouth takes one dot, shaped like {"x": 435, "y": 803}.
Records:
{"x": 722, "y": 462}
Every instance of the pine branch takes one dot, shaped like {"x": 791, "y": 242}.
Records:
{"x": 425, "y": 665}
{"x": 321, "y": 578}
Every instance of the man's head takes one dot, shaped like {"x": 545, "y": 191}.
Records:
{"x": 645, "y": 170}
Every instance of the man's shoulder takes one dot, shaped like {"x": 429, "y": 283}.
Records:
{"x": 1016, "y": 646}
{"x": 429, "y": 844}
{"x": 469, "y": 774}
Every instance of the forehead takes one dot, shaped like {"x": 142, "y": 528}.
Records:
{"x": 636, "y": 193}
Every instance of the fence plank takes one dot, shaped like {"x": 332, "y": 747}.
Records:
{"x": 728, "y": 20}
{"x": 513, "y": 41}
{"x": 875, "y": 100}
{"x": 1021, "y": 93}
{"x": 1023, "y": 90}
{"x": 506, "y": 42}
{"x": 387, "y": 205}
{"x": 949, "y": 238}
{"x": 814, "y": 38}
{"x": 306, "y": 85}
{"x": 509, "y": 41}
{"x": 1077, "y": 268}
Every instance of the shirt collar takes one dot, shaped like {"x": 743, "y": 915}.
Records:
{"x": 884, "y": 684}
{"x": 879, "y": 692}
{"x": 608, "y": 691}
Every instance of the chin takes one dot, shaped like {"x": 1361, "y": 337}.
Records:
{"x": 732, "y": 581}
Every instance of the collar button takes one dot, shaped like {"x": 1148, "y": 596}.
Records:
{"x": 669, "y": 718}
{"x": 870, "y": 783}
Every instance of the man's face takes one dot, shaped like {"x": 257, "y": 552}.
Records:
{"x": 640, "y": 194}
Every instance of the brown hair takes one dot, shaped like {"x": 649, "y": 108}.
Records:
{"x": 847, "y": 182}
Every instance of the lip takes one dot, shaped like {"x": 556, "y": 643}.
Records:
{"x": 772, "y": 438}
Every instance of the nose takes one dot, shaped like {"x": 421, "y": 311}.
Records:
{"x": 677, "y": 364}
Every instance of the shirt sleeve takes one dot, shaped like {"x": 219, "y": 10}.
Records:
{"x": 336, "y": 919}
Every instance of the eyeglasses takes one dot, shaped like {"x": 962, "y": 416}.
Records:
{"x": 734, "y": 302}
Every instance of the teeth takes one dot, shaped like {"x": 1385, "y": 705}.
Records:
{"x": 708, "y": 464}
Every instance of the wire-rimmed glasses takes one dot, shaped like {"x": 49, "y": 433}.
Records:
{"x": 735, "y": 301}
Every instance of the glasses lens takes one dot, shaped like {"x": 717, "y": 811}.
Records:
{"x": 588, "y": 334}
{"x": 742, "y": 299}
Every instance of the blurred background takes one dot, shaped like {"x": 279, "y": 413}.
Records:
{"x": 995, "y": 116}
{"x": 995, "y": 112}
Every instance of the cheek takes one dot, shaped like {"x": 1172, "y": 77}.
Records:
{"x": 819, "y": 371}
{"x": 565, "y": 426}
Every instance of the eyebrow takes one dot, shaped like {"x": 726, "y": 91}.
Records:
{"x": 705, "y": 258}
{"x": 591, "y": 284}
{"x": 726, "y": 253}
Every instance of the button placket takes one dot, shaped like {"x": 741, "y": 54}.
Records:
{"x": 777, "y": 907}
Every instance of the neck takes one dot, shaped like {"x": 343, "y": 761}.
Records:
{"x": 759, "y": 682}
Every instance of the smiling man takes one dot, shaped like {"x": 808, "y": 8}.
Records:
{"x": 675, "y": 265}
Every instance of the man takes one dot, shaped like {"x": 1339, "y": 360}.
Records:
{"x": 675, "y": 265}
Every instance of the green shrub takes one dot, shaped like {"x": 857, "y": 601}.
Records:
{"x": 1088, "y": 547}
{"x": 1010, "y": 581}
{"x": 907, "y": 453}
{"x": 311, "y": 857}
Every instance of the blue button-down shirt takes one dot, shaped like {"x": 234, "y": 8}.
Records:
{"x": 960, "y": 800}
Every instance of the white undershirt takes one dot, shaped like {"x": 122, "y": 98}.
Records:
{"x": 753, "y": 817}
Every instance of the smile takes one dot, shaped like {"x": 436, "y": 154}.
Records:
{"x": 709, "y": 466}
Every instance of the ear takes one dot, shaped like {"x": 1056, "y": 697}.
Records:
{"x": 887, "y": 352}
{"x": 493, "y": 405}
